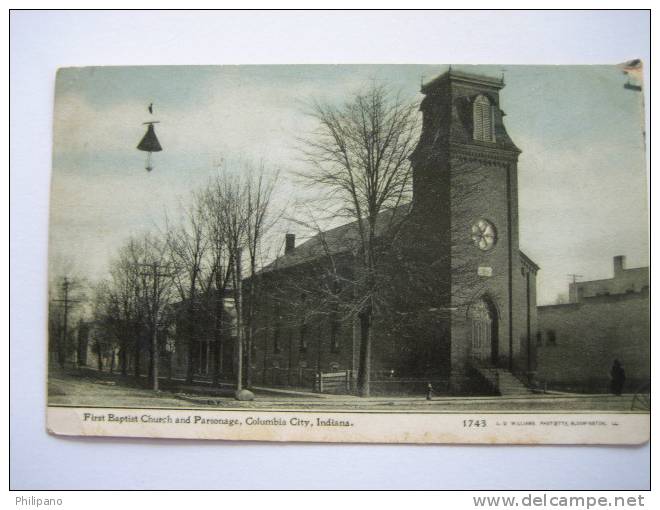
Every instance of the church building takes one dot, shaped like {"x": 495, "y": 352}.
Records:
{"x": 463, "y": 314}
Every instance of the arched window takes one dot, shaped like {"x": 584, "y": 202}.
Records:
{"x": 483, "y": 121}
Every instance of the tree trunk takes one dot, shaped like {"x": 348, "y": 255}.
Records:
{"x": 112, "y": 362}
{"x": 250, "y": 329}
{"x": 217, "y": 358}
{"x": 190, "y": 344}
{"x": 61, "y": 348}
{"x": 152, "y": 357}
{"x": 99, "y": 357}
{"x": 136, "y": 355}
{"x": 239, "y": 318}
{"x": 248, "y": 361}
{"x": 155, "y": 358}
{"x": 123, "y": 360}
{"x": 191, "y": 333}
{"x": 248, "y": 355}
{"x": 79, "y": 350}
{"x": 58, "y": 347}
{"x": 364, "y": 367}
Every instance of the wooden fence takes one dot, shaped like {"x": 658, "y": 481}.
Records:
{"x": 334, "y": 382}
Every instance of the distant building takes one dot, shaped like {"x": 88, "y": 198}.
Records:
{"x": 624, "y": 281}
{"x": 606, "y": 320}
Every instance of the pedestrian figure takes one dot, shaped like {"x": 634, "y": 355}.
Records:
{"x": 429, "y": 391}
{"x": 617, "y": 377}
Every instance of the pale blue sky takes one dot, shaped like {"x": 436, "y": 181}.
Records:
{"x": 582, "y": 173}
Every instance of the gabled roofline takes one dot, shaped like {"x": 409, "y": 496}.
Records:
{"x": 528, "y": 261}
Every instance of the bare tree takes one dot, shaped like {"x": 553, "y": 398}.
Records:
{"x": 106, "y": 315}
{"x": 221, "y": 263}
{"x": 258, "y": 192}
{"x": 188, "y": 246}
{"x": 359, "y": 155}
{"x": 130, "y": 306}
{"x": 198, "y": 259}
{"x": 125, "y": 305}
{"x": 156, "y": 282}
{"x": 229, "y": 203}
{"x": 238, "y": 204}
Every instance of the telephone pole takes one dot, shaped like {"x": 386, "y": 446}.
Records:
{"x": 61, "y": 351}
{"x": 574, "y": 277}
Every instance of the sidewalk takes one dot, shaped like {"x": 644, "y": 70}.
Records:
{"x": 93, "y": 389}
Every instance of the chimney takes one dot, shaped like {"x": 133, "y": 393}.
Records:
{"x": 290, "y": 243}
{"x": 619, "y": 264}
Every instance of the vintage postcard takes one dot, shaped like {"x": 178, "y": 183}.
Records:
{"x": 350, "y": 253}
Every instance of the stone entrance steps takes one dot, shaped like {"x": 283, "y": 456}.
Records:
{"x": 503, "y": 381}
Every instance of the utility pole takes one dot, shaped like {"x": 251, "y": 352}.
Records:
{"x": 61, "y": 354}
{"x": 156, "y": 274}
{"x": 574, "y": 277}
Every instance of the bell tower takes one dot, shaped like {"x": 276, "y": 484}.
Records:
{"x": 465, "y": 205}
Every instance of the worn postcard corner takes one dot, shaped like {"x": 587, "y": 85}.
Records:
{"x": 371, "y": 253}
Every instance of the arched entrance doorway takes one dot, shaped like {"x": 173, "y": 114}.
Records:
{"x": 483, "y": 332}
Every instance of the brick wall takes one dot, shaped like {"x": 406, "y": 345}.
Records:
{"x": 294, "y": 327}
{"x": 588, "y": 337}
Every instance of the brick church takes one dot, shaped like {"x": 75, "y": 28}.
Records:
{"x": 463, "y": 309}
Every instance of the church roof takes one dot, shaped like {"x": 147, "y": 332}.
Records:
{"x": 342, "y": 239}
{"x": 346, "y": 238}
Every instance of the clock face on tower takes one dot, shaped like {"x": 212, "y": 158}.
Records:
{"x": 484, "y": 235}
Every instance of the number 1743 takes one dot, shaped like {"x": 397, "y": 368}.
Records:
{"x": 474, "y": 423}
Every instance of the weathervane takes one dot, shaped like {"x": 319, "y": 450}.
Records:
{"x": 149, "y": 142}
